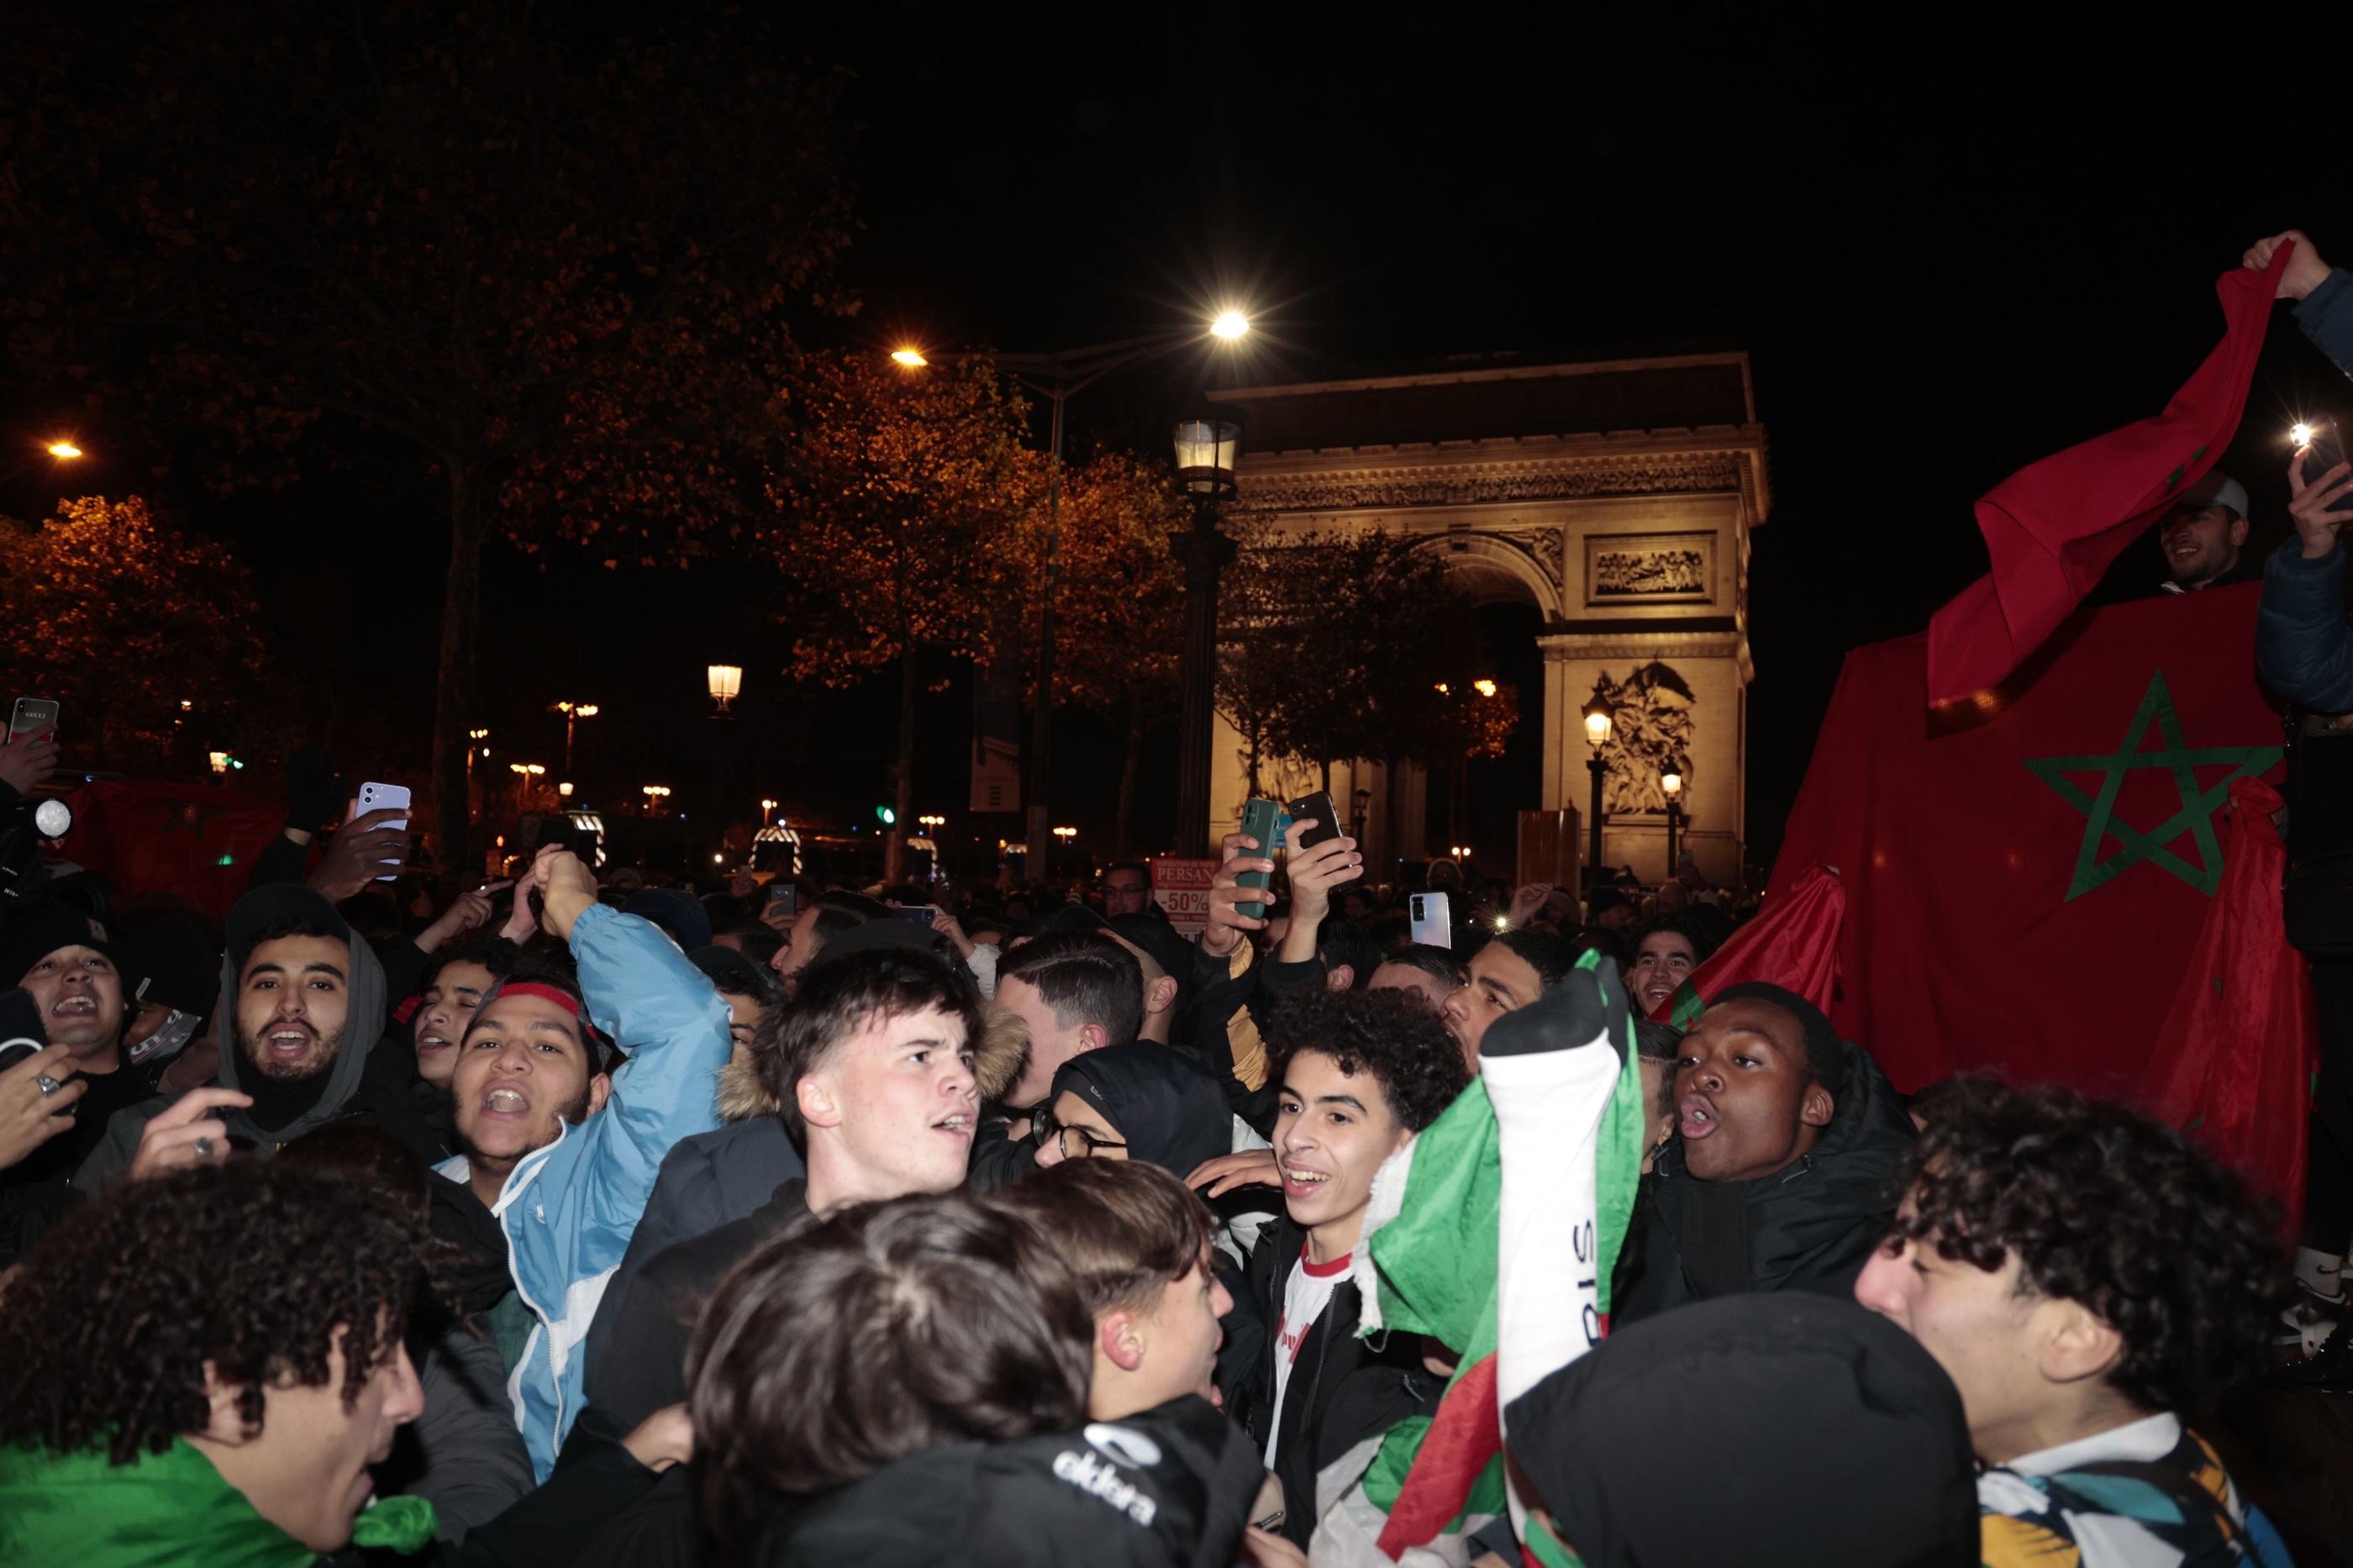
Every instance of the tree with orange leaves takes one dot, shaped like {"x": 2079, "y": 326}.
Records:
{"x": 136, "y": 629}
{"x": 895, "y": 527}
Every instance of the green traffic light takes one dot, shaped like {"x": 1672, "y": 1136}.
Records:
{"x": 888, "y": 816}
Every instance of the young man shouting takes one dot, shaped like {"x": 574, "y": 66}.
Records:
{"x": 1362, "y": 1072}
{"x": 2087, "y": 1278}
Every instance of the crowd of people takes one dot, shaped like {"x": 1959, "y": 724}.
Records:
{"x": 572, "y": 1220}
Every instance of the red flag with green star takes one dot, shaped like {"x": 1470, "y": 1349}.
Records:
{"x": 2025, "y": 894}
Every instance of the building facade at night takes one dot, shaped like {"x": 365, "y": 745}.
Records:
{"x": 1617, "y": 498}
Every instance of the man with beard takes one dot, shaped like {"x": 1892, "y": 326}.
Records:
{"x": 305, "y": 1006}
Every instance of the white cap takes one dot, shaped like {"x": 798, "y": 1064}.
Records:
{"x": 2217, "y": 489}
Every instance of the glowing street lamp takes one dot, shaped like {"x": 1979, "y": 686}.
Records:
{"x": 932, "y": 821}
{"x": 220, "y": 762}
{"x": 1066, "y": 834}
{"x": 1229, "y": 325}
{"x": 655, "y": 796}
{"x": 64, "y": 451}
{"x": 913, "y": 358}
{"x": 571, "y": 711}
{"x": 1597, "y": 720}
{"x": 767, "y": 807}
{"x": 1672, "y": 784}
{"x": 1483, "y": 687}
{"x": 564, "y": 789}
{"x": 726, "y": 680}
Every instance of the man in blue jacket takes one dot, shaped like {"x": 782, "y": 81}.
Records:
{"x": 563, "y": 1151}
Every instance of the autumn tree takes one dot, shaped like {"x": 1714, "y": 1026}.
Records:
{"x": 895, "y": 522}
{"x": 538, "y": 285}
{"x": 1120, "y": 611}
{"x": 138, "y": 631}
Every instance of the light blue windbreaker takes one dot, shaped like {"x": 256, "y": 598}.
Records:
{"x": 567, "y": 1210}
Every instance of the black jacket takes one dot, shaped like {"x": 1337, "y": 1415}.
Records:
{"x": 709, "y": 1180}
{"x": 644, "y": 1365}
{"x": 1808, "y": 1227}
{"x": 1167, "y": 1488}
{"x": 1328, "y": 1356}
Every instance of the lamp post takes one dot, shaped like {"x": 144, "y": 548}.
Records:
{"x": 1672, "y": 783}
{"x": 1209, "y": 444}
{"x": 1058, "y": 377}
{"x": 524, "y": 772}
{"x": 1597, "y": 714}
{"x": 655, "y": 794}
{"x": 724, "y": 681}
{"x": 571, "y": 711}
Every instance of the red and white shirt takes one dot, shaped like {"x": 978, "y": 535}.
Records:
{"x": 1305, "y": 1294}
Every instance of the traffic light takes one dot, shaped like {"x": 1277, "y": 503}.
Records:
{"x": 887, "y": 816}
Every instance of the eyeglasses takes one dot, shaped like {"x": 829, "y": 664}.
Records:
{"x": 1061, "y": 1136}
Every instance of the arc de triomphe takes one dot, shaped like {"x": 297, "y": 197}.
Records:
{"x": 1616, "y": 496}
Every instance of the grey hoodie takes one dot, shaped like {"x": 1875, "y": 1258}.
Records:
{"x": 348, "y": 1092}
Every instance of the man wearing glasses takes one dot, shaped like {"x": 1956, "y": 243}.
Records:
{"x": 1127, "y": 891}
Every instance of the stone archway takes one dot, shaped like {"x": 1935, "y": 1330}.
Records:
{"x": 1616, "y": 496}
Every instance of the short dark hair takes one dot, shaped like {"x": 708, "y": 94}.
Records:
{"x": 296, "y": 925}
{"x": 1662, "y": 1044}
{"x": 836, "y": 998}
{"x": 1439, "y": 963}
{"x": 604, "y": 1052}
{"x": 1338, "y": 942}
{"x": 491, "y": 951}
{"x": 365, "y": 1152}
{"x": 1125, "y": 1228}
{"x": 252, "y": 1268}
{"x": 1392, "y": 1035}
{"x": 1085, "y": 979}
{"x": 1138, "y": 867}
{"x": 1551, "y": 956}
{"x": 758, "y": 942}
{"x": 2112, "y": 1210}
{"x": 879, "y": 1331}
{"x": 1825, "y": 1057}
{"x": 1682, "y": 924}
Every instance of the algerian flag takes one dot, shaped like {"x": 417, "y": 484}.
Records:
{"x": 1493, "y": 1231}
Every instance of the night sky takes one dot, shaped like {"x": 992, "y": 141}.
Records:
{"x": 1940, "y": 274}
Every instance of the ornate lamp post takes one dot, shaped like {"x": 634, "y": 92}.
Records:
{"x": 1208, "y": 444}
{"x": 572, "y": 711}
{"x": 1597, "y": 714}
{"x": 1671, "y": 782}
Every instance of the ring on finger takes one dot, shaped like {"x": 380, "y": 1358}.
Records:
{"x": 46, "y": 1084}
{"x": 203, "y": 1147}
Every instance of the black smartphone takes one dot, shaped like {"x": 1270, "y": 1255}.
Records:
{"x": 1327, "y": 819}
{"x": 2327, "y": 445}
{"x": 786, "y": 893}
{"x": 21, "y": 1034}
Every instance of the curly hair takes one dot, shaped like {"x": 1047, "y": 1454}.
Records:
{"x": 1392, "y": 1035}
{"x": 253, "y": 1267}
{"x": 2110, "y": 1209}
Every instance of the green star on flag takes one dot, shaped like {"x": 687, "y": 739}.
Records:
{"x": 2177, "y": 757}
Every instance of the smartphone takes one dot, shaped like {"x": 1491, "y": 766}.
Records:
{"x": 21, "y": 1034}
{"x": 379, "y": 797}
{"x": 1261, "y": 820}
{"x": 1328, "y": 824}
{"x": 1432, "y": 921}
{"x": 922, "y": 915}
{"x": 2328, "y": 450}
{"x": 32, "y": 715}
{"x": 785, "y": 894}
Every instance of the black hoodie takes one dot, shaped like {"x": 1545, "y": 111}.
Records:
{"x": 1811, "y": 1226}
{"x": 356, "y": 1086}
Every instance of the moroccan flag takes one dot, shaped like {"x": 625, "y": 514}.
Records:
{"x": 2054, "y": 526}
{"x": 2241, "y": 1040}
{"x": 2026, "y": 893}
{"x": 1493, "y": 1233}
{"x": 1792, "y": 941}
{"x": 196, "y": 842}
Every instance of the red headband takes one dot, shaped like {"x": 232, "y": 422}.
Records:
{"x": 546, "y": 992}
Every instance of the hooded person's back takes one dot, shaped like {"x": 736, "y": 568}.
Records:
{"x": 1810, "y": 1225}
{"x": 355, "y": 1086}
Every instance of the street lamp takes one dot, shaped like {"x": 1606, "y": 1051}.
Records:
{"x": 571, "y": 711}
{"x": 564, "y": 789}
{"x": 220, "y": 762}
{"x": 1597, "y": 714}
{"x": 726, "y": 680}
{"x": 1209, "y": 446}
{"x": 931, "y": 821}
{"x": 1483, "y": 687}
{"x": 64, "y": 451}
{"x": 655, "y": 794}
{"x": 768, "y": 808}
{"x": 1672, "y": 783}
{"x": 1058, "y": 377}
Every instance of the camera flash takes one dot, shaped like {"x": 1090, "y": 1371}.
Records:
{"x": 2300, "y": 432}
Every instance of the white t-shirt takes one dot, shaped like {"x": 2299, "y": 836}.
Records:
{"x": 1304, "y": 1296}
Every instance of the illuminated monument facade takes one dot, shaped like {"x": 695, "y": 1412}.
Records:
{"x": 1617, "y": 498}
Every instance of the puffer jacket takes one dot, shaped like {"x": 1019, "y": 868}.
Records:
{"x": 569, "y": 1209}
{"x": 1809, "y": 1227}
{"x": 2303, "y": 644}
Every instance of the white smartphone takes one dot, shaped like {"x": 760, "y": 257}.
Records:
{"x": 1432, "y": 922}
{"x": 377, "y": 797}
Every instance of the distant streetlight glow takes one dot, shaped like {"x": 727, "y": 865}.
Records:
{"x": 1229, "y": 325}
{"x": 64, "y": 449}
{"x": 1486, "y": 687}
{"x": 911, "y": 358}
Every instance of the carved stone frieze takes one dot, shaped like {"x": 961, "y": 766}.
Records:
{"x": 1471, "y": 484}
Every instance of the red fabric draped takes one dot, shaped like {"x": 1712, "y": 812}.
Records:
{"x": 1793, "y": 941}
{"x": 196, "y": 842}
